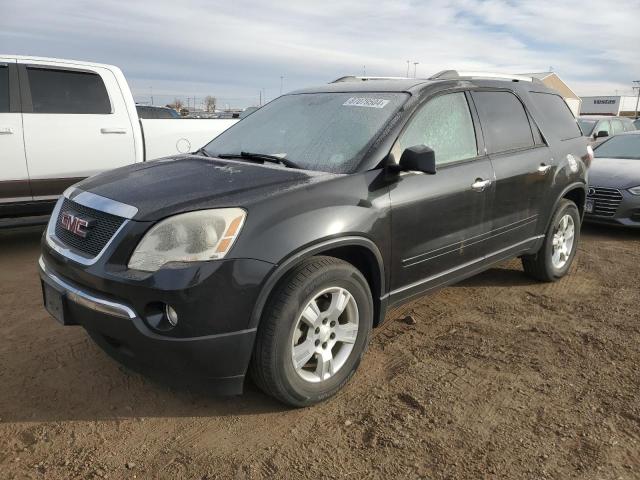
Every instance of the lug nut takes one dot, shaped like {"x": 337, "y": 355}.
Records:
{"x": 317, "y": 329}
{"x": 333, "y": 323}
{"x": 324, "y": 322}
{"x": 324, "y": 345}
{"x": 332, "y": 336}
{"x": 317, "y": 342}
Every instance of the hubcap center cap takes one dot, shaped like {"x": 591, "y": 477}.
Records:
{"x": 325, "y": 332}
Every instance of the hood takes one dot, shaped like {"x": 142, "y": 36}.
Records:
{"x": 614, "y": 173}
{"x": 183, "y": 183}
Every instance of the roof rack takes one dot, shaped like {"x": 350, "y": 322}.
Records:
{"x": 455, "y": 74}
{"x": 353, "y": 78}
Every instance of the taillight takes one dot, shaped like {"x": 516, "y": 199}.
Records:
{"x": 589, "y": 156}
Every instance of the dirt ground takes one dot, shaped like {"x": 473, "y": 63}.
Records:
{"x": 500, "y": 377}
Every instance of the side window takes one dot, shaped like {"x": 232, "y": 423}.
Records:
{"x": 67, "y": 91}
{"x": 504, "y": 121}
{"x": 628, "y": 125}
{"x": 556, "y": 115}
{"x": 4, "y": 89}
{"x": 603, "y": 125}
{"x": 445, "y": 125}
{"x": 616, "y": 126}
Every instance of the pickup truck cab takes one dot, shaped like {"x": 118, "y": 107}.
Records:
{"x": 279, "y": 246}
{"x": 64, "y": 120}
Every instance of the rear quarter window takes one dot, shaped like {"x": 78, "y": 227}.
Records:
{"x": 556, "y": 115}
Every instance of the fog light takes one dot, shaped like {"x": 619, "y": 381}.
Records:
{"x": 171, "y": 314}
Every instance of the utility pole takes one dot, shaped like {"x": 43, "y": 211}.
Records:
{"x": 408, "y": 62}
{"x": 637, "y": 82}
{"x": 281, "y": 82}
{"x": 260, "y": 103}
{"x": 364, "y": 70}
{"x": 151, "y": 88}
{"x": 415, "y": 66}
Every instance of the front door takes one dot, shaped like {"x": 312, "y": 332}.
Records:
{"x": 439, "y": 221}
{"x": 75, "y": 124}
{"x": 14, "y": 176}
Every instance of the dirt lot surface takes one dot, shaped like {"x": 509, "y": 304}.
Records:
{"x": 500, "y": 377}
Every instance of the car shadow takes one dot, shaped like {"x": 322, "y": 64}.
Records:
{"x": 601, "y": 231}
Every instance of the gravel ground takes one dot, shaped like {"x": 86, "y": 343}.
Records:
{"x": 499, "y": 377}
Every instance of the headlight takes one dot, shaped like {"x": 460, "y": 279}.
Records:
{"x": 635, "y": 190}
{"x": 188, "y": 237}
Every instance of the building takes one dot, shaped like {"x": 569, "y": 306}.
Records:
{"x": 551, "y": 80}
{"x": 624, "y": 105}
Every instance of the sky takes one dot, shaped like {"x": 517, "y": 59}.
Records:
{"x": 239, "y": 49}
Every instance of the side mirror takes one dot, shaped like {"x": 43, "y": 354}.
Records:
{"x": 602, "y": 134}
{"x": 419, "y": 158}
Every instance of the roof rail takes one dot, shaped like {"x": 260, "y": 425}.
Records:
{"x": 353, "y": 78}
{"x": 454, "y": 74}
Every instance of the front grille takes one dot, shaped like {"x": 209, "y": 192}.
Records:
{"x": 606, "y": 200}
{"x": 103, "y": 229}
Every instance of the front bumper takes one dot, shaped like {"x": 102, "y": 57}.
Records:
{"x": 214, "y": 344}
{"x": 627, "y": 213}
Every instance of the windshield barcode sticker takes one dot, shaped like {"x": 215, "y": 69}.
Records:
{"x": 365, "y": 102}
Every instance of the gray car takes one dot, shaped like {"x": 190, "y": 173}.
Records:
{"x": 598, "y": 127}
{"x": 614, "y": 181}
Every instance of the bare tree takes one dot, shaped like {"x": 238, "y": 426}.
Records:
{"x": 210, "y": 103}
{"x": 176, "y": 105}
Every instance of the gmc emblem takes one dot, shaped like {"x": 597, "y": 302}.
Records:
{"x": 76, "y": 225}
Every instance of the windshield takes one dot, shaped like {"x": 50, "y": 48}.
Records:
{"x": 620, "y": 146}
{"x": 586, "y": 126}
{"x": 317, "y": 131}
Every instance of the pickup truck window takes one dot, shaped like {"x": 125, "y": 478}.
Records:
{"x": 327, "y": 132}
{"x": 504, "y": 121}
{"x": 67, "y": 91}
{"x": 4, "y": 88}
{"x": 445, "y": 125}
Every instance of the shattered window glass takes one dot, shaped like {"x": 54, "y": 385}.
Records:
{"x": 445, "y": 125}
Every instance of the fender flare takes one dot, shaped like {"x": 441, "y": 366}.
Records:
{"x": 289, "y": 262}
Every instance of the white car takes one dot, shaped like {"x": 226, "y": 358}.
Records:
{"x": 64, "y": 120}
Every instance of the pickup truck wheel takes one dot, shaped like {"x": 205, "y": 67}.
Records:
{"x": 554, "y": 258}
{"x": 313, "y": 332}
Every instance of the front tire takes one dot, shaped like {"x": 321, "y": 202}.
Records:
{"x": 313, "y": 333}
{"x": 553, "y": 260}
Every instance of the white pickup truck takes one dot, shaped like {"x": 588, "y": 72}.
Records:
{"x": 64, "y": 120}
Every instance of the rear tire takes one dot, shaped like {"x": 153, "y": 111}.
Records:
{"x": 313, "y": 333}
{"x": 553, "y": 260}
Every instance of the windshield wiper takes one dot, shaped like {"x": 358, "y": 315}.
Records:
{"x": 202, "y": 152}
{"x": 265, "y": 157}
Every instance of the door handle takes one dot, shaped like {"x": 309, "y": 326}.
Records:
{"x": 105, "y": 131}
{"x": 6, "y": 131}
{"x": 543, "y": 169}
{"x": 479, "y": 185}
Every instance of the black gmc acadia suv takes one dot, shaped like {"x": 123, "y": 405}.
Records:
{"x": 277, "y": 247}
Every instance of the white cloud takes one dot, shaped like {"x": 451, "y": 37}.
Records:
{"x": 234, "y": 49}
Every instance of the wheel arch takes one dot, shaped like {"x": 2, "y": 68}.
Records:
{"x": 360, "y": 252}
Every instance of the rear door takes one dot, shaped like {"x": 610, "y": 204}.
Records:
{"x": 14, "y": 176}
{"x": 75, "y": 124}
{"x": 439, "y": 221}
{"x": 523, "y": 166}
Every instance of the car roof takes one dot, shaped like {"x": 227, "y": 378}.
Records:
{"x": 417, "y": 85}
{"x": 598, "y": 117}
